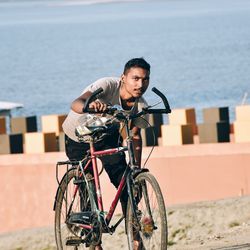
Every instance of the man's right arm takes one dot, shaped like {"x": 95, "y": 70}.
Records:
{"x": 78, "y": 104}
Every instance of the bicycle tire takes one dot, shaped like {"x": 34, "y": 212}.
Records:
{"x": 151, "y": 233}
{"x": 63, "y": 230}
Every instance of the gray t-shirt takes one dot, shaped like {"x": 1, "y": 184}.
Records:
{"x": 110, "y": 95}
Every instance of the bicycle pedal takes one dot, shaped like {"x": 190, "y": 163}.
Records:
{"x": 73, "y": 241}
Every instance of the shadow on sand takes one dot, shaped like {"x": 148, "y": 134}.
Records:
{"x": 235, "y": 247}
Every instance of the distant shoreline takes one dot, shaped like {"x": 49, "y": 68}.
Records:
{"x": 73, "y": 2}
{"x": 89, "y": 2}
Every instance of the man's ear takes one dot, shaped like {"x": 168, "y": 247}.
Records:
{"x": 122, "y": 77}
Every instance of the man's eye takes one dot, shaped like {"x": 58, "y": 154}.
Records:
{"x": 136, "y": 78}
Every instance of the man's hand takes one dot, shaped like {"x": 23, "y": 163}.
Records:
{"x": 79, "y": 104}
{"x": 98, "y": 106}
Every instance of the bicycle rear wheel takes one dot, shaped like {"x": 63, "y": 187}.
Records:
{"x": 149, "y": 230}
{"x": 69, "y": 202}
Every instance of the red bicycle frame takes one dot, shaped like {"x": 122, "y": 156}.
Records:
{"x": 93, "y": 159}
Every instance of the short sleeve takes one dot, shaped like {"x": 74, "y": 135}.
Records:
{"x": 110, "y": 86}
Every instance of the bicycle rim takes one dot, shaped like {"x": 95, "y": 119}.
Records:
{"x": 64, "y": 204}
{"x": 150, "y": 233}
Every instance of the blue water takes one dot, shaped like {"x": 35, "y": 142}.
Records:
{"x": 199, "y": 50}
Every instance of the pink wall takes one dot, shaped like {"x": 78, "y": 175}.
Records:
{"x": 186, "y": 174}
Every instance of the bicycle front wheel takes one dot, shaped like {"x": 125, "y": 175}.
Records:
{"x": 70, "y": 199}
{"x": 147, "y": 229}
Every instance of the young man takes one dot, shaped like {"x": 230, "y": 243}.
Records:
{"x": 126, "y": 91}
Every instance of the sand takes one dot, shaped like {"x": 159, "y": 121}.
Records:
{"x": 217, "y": 225}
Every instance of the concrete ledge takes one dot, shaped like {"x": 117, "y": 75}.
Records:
{"x": 198, "y": 150}
{"x": 186, "y": 173}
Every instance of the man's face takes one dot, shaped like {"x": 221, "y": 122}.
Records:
{"x": 136, "y": 81}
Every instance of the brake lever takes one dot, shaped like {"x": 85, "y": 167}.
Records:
{"x": 151, "y": 106}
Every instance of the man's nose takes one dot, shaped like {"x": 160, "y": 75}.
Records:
{"x": 140, "y": 83}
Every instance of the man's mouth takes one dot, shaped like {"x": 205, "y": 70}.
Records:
{"x": 139, "y": 91}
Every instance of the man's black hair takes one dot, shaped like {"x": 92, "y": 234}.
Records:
{"x": 136, "y": 62}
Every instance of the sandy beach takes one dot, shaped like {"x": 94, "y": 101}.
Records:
{"x": 210, "y": 225}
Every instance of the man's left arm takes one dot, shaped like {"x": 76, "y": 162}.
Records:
{"x": 137, "y": 143}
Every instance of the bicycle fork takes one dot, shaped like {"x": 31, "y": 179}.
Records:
{"x": 131, "y": 174}
{"x": 130, "y": 184}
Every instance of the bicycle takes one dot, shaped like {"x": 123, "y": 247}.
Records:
{"x": 79, "y": 217}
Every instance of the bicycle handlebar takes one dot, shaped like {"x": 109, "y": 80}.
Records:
{"x": 111, "y": 110}
{"x": 163, "y": 97}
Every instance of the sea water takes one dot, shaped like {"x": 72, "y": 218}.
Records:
{"x": 51, "y": 50}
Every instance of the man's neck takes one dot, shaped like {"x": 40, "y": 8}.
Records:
{"x": 125, "y": 95}
{"x": 127, "y": 104}
{"x": 127, "y": 100}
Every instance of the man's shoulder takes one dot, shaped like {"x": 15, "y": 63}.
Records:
{"x": 106, "y": 83}
{"x": 108, "y": 80}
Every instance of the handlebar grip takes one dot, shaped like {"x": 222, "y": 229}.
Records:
{"x": 164, "y": 99}
{"x": 107, "y": 111}
{"x": 92, "y": 111}
{"x": 90, "y": 99}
